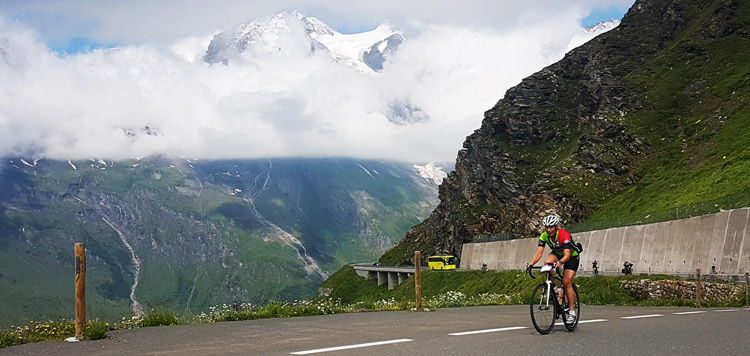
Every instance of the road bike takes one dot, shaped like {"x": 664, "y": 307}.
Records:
{"x": 545, "y": 307}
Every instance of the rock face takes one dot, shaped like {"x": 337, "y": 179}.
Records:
{"x": 559, "y": 142}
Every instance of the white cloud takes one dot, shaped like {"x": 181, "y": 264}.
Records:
{"x": 267, "y": 104}
{"x": 162, "y": 21}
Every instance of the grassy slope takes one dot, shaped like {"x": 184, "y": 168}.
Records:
{"x": 601, "y": 290}
{"x": 697, "y": 120}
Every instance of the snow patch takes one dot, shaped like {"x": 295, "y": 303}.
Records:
{"x": 366, "y": 171}
{"x": 431, "y": 172}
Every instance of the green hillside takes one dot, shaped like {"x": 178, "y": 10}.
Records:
{"x": 202, "y": 233}
{"x": 695, "y": 116}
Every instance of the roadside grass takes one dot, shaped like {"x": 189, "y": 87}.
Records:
{"x": 464, "y": 288}
{"x": 346, "y": 292}
{"x": 51, "y": 330}
{"x": 158, "y": 317}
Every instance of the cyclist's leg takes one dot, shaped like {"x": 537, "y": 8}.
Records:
{"x": 568, "y": 273}
{"x": 551, "y": 258}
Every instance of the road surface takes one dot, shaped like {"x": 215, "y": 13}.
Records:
{"x": 487, "y": 330}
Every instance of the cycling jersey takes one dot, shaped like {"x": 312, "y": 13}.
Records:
{"x": 563, "y": 241}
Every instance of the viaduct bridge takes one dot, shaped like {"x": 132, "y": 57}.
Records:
{"x": 394, "y": 276}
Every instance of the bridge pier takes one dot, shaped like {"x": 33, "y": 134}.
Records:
{"x": 382, "y": 278}
{"x": 392, "y": 280}
{"x": 402, "y": 277}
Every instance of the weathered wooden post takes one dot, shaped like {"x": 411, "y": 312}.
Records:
{"x": 80, "y": 289}
{"x": 747, "y": 288}
{"x": 698, "y": 287}
{"x": 418, "y": 278}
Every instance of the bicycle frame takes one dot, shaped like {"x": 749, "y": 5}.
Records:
{"x": 550, "y": 281}
{"x": 544, "y": 313}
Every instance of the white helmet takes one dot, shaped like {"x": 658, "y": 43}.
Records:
{"x": 551, "y": 220}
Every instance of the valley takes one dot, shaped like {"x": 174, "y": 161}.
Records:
{"x": 191, "y": 234}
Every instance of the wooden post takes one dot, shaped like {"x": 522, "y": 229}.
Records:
{"x": 80, "y": 289}
{"x": 418, "y": 278}
{"x": 698, "y": 287}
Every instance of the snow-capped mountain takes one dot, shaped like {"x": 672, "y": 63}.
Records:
{"x": 366, "y": 51}
{"x": 603, "y": 26}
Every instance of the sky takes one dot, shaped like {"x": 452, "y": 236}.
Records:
{"x": 88, "y": 79}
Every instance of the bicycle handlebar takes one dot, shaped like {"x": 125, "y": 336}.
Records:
{"x": 529, "y": 268}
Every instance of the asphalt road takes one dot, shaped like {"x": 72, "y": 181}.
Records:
{"x": 491, "y": 330}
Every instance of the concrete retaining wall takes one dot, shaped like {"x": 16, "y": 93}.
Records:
{"x": 716, "y": 243}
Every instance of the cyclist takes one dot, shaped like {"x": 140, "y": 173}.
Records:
{"x": 562, "y": 254}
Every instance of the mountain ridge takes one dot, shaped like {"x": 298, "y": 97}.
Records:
{"x": 365, "y": 52}
{"x": 622, "y": 124}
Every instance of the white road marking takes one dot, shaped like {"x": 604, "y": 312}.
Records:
{"x": 726, "y": 310}
{"x": 488, "y": 330}
{"x": 592, "y": 321}
{"x": 690, "y": 312}
{"x": 587, "y": 321}
{"x": 641, "y": 316}
{"x": 350, "y": 346}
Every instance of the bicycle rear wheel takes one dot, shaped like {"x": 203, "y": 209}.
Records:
{"x": 574, "y": 324}
{"x": 542, "y": 309}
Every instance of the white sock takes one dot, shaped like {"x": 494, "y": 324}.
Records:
{"x": 572, "y": 312}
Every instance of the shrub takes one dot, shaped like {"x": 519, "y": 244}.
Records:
{"x": 159, "y": 317}
{"x": 95, "y": 330}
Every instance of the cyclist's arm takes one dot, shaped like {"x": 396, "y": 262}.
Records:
{"x": 537, "y": 255}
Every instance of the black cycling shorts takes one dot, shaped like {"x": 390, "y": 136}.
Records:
{"x": 572, "y": 263}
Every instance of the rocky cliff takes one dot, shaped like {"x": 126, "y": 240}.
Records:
{"x": 613, "y": 114}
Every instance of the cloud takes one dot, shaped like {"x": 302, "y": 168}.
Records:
{"x": 151, "y": 98}
{"x": 162, "y": 21}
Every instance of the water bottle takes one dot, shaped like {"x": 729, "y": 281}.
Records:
{"x": 559, "y": 292}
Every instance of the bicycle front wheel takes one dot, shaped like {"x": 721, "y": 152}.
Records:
{"x": 571, "y": 325}
{"x": 543, "y": 309}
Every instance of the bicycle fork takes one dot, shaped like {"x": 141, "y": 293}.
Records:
{"x": 547, "y": 296}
